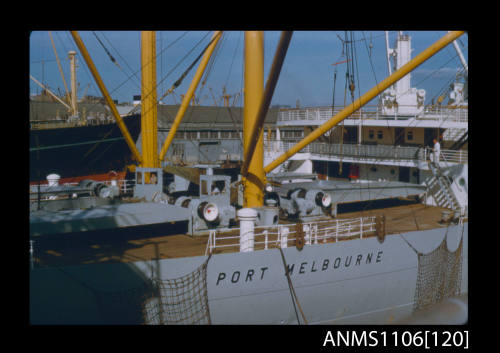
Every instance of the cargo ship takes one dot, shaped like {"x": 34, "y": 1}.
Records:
{"x": 75, "y": 138}
{"x": 73, "y": 151}
{"x": 282, "y": 252}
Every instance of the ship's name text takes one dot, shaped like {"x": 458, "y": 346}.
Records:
{"x": 259, "y": 273}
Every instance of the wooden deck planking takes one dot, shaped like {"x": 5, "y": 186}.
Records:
{"x": 74, "y": 251}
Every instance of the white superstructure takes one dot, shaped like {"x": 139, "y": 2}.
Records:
{"x": 389, "y": 142}
{"x": 402, "y": 99}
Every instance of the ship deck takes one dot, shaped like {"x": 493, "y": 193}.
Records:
{"x": 126, "y": 247}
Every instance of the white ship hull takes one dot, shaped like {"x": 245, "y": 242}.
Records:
{"x": 361, "y": 281}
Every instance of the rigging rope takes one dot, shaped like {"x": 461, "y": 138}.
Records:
{"x": 107, "y": 51}
{"x": 292, "y": 290}
{"x": 168, "y": 74}
{"x": 234, "y": 122}
{"x": 128, "y": 78}
{"x": 125, "y": 61}
{"x": 235, "y": 125}
{"x": 393, "y": 139}
{"x": 181, "y": 78}
{"x": 350, "y": 65}
{"x": 205, "y": 78}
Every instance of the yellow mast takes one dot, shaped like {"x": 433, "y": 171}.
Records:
{"x": 263, "y": 106}
{"x": 107, "y": 97}
{"x": 347, "y": 111}
{"x": 149, "y": 108}
{"x": 254, "y": 88}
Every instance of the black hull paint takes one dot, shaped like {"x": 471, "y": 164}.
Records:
{"x": 84, "y": 150}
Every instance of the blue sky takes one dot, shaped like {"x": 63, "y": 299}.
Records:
{"x": 306, "y": 76}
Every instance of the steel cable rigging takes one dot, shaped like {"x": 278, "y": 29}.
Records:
{"x": 128, "y": 78}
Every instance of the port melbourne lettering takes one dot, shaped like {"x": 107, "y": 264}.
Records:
{"x": 302, "y": 268}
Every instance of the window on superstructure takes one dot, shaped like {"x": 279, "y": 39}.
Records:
{"x": 380, "y": 134}
{"x": 153, "y": 178}
{"x": 371, "y": 134}
{"x": 409, "y": 136}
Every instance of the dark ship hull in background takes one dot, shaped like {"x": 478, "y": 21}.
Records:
{"x": 82, "y": 150}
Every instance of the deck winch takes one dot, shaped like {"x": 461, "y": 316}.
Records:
{"x": 209, "y": 211}
{"x": 87, "y": 194}
{"x": 212, "y": 209}
{"x": 302, "y": 203}
{"x": 99, "y": 189}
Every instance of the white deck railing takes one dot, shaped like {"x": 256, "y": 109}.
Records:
{"x": 322, "y": 114}
{"x": 285, "y": 235}
{"x": 368, "y": 151}
{"x": 453, "y": 156}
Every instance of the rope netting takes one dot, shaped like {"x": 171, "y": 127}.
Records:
{"x": 179, "y": 301}
{"x": 439, "y": 275}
